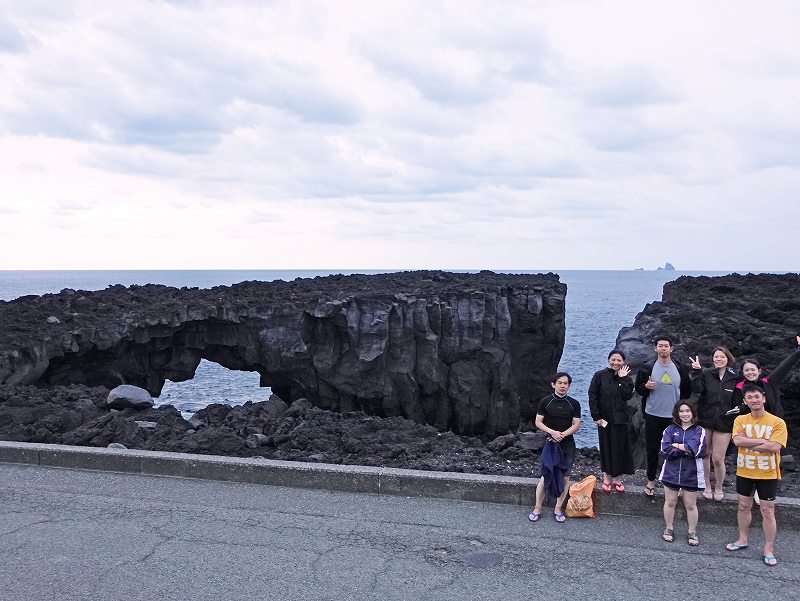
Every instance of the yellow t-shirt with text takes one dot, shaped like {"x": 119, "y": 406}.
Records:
{"x": 760, "y": 465}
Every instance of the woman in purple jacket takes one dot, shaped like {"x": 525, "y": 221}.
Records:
{"x": 683, "y": 447}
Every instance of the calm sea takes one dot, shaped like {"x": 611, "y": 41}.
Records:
{"x": 599, "y": 304}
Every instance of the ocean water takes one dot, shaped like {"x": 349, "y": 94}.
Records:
{"x": 599, "y": 304}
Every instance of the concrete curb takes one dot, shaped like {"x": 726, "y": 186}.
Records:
{"x": 354, "y": 478}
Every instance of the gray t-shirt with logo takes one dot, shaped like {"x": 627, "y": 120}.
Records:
{"x": 661, "y": 401}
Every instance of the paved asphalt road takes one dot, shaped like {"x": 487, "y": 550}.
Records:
{"x": 70, "y": 534}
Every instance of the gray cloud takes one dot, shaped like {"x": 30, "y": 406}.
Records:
{"x": 628, "y": 87}
{"x": 770, "y": 147}
{"x": 166, "y": 85}
{"x": 11, "y": 39}
{"x": 465, "y": 64}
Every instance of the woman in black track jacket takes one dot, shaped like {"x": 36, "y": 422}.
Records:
{"x": 715, "y": 386}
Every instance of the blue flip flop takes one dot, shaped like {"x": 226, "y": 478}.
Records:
{"x": 770, "y": 560}
{"x": 534, "y": 517}
{"x": 735, "y": 547}
{"x": 560, "y": 517}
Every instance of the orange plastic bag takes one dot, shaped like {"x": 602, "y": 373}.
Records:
{"x": 580, "y": 503}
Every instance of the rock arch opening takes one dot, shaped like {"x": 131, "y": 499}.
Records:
{"x": 213, "y": 383}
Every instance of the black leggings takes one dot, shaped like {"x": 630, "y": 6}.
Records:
{"x": 653, "y": 433}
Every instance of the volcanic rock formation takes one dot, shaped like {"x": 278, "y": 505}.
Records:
{"x": 753, "y": 315}
{"x": 467, "y": 352}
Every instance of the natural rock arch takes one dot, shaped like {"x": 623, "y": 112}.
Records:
{"x": 468, "y": 352}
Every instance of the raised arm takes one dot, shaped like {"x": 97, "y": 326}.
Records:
{"x": 777, "y": 375}
{"x": 626, "y": 387}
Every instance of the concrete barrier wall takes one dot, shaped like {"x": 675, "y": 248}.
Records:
{"x": 353, "y": 478}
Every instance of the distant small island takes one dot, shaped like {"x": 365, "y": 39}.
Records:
{"x": 667, "y": 267}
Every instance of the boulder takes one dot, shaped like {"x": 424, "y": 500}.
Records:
{"x": 126, "y": 396}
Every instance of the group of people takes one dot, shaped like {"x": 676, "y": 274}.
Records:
{"x": 743, "y": 407}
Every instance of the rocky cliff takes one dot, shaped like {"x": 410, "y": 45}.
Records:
{"x": 753, "y": 315}
{"x": 467, "y": 352}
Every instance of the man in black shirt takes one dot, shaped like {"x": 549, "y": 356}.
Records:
{"x": 559, "y": 416}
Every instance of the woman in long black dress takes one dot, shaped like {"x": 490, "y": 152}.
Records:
{"x": 609, "y": 392}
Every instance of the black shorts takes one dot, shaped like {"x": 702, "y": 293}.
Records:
{"x": 568, "y": 450}
{"x": 767, "y": 489}
{"x": 569, "y": 456}
{"x": 686, "y": 488}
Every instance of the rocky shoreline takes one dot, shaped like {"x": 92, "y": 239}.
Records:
{"x": 359, "y": 331}
{"x": 79, "y": 415}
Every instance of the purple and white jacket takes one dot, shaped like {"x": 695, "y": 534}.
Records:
{"x": 683, "y": 468}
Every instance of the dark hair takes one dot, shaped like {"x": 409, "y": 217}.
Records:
{"x": 616, "y": 351}
{"x": 753, "y": 361}
{"x": 664, "y": 337}
{"x": 752, "y": 387}
{"x": 677, "y": 408}
{"x": 560, "y": 374}
{"x": 726, "y": 352}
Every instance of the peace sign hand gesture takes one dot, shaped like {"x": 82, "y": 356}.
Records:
{"x": 696, "y": 361}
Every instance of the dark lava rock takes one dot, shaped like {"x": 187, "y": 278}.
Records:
{"x": 307, "y": 433}
{"x": 465, "y": 352}
{"x": 755, "y": 316}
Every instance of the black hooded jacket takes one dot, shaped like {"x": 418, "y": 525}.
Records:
{"x": 715, "y": 397}
{"x": 770, "y": 384}
{"x": 609, "y": 395}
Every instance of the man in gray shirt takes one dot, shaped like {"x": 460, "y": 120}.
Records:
{"x": 661, "y": 384}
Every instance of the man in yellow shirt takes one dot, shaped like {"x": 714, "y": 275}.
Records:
{"x": 760, "y": 436}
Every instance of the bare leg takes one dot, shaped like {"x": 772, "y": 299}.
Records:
{"x": 721, "y": 440}
{"x": 743, "y": 518}
{"x": 690, "y": 503}
{"x": 539, "y": 496}
{"x": 707, "y": 461}
{"x": 560, "y": 500}
{"x": 670, "y": 501}
{"x": 770, "y": 526}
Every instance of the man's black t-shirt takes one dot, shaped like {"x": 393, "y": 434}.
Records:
{"x": 557, "y": 412}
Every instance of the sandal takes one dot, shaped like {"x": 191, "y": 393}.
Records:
{"x": 735, "y": 546}
{"x": 708, "y": 495}
{"x": 719, "y": 496}
{"x": 619, "y": 487}
{"x": 692, "y": 539}
{"x": 607, "y": 487}
{"x": 770, "y": 560}
{"x": 649, "y": 491}
{"x": 669, "y": 535}
{"x": 560, "y": 517}
{"x": 534, "y": 517}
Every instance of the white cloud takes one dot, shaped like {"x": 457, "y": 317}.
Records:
{"x": 465, "y": 134}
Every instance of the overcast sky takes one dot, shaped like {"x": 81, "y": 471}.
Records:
{"x": 348, "y": 134}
